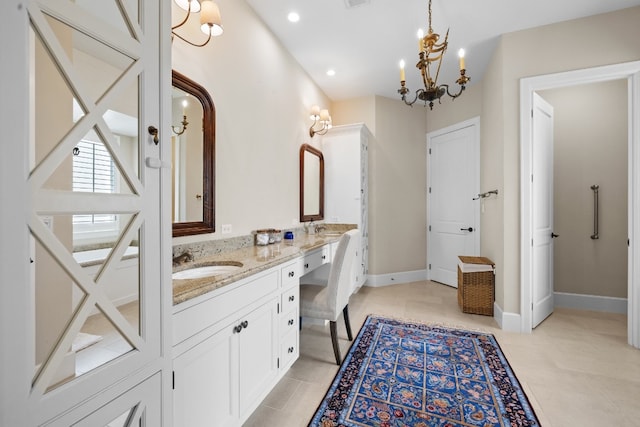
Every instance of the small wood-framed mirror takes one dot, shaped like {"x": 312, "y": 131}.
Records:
{"x": 193, "y": 158}
{"x": 311, "y": 184}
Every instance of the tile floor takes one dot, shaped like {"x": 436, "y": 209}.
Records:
{"x": 576, "y": 367}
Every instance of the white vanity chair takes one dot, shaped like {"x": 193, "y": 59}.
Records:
{"x": 326, "y": 302}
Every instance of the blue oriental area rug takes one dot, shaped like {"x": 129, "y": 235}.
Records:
{"x": 400, "y": 374}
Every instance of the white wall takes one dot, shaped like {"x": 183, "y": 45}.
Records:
{"x": 262, "y": 99}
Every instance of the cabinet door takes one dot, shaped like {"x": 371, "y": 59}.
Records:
{"x": 94, "y": 87}
{"x": 258, "y": 352}
{"x": 204, "y": 383}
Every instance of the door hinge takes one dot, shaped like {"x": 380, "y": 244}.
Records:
{"x": 429, "y": 228}
{"x": 532, "y": 113}
{"x": 429, "y": 266}
{"x": 429, "y": 150}
{"x": 278, "y": 309}
{"x": 531, "y": 306}
{"x": 531, "y": 177}
{"x": 531, "y": 242}
{"x": 429, "y": 190}
{"x": 278, "y": 363}
{"x": 173, "y": 380}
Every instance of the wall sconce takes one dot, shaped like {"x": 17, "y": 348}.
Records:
{"x": 210, "y": 20}
{"x": 322, "y": 118}
{"x": 184, "y": 123}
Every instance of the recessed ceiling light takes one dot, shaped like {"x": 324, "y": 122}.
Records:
{"x": 293, "y": 17}
{"x": 331, "y": 72}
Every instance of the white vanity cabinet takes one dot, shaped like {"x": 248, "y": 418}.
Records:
{"x": 289, "y": 314}
{"x": 346, "y": 154}
{"x": 226, "y": 349}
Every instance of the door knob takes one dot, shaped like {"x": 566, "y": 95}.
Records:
{"x": 467, "y": 229}
{"x": 153, "y": 131}
{"x": 554, "y": 235}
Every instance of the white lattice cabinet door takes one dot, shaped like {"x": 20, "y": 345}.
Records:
{"x": 346, "y": 152}
{"x": 92, "y": 77}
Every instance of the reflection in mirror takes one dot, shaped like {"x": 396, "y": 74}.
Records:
{"x": 193, "y": 148}
{"x": 84, "y": 261}
{"x": 311, "y": 184}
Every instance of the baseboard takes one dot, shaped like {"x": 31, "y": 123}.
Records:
{"x": 590, "y": 302}
{"x": 379, "y": 280}
{"x": 509, "y": 322}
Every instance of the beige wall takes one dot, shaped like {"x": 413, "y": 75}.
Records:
{"x": 262, "y": 98}
{"x": 590, "y": 147}
{"x": 544, "y": 50}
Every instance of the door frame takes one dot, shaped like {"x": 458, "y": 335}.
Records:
{"x": 631, "y": 72}
{"x": 475, "y": 123}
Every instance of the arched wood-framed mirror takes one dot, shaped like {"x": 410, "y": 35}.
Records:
{"x": 311, "y": 183}
{"x": 193, "y": 207}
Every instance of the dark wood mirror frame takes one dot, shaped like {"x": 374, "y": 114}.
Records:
{"x": 311, "y": 217}
{"x": 207, "y": 225}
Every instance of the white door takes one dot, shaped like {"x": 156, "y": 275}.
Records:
{"x": 453, "y": 181}
{"x": 93, "y": 88}
{"x": 542, "y": 191}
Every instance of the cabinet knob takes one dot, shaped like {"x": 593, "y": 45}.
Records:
{"x": 290, "y": 322}
{"x": 245, "y": 324}
{"x": 237, "y": 329}
{"x": 291, "y": 274}
{"x": 290, "y": 350}
{"x": 292, "y": 298}
{"x": 306, "y": 265}
{"x": 324, "y": 257}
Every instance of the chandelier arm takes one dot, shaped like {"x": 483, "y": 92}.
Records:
{"x": 404, "y": 98}
{"x": 192, "y": 44}
{"x": 454, "y": 96}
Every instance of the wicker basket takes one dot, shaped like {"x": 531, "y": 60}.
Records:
{"x": 476, "y": 288}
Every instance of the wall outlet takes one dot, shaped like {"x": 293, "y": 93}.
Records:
{"x": 226, "y": 228}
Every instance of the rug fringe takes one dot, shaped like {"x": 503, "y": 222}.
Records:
{"x": 432, "y": 323}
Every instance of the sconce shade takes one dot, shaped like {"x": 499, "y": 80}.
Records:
{"x": 184, "y": 4}
{"x": 210, "y": 19}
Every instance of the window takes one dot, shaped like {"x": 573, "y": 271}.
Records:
{"x": 94, "y": 172}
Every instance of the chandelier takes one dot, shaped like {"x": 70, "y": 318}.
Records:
{"x": 431, "y": 53}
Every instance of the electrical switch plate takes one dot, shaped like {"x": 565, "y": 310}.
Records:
{"x": 226, "y": 228}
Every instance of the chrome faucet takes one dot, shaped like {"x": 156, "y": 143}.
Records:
{"x": 320, "y": 228}
{"x": 182, "y": 258}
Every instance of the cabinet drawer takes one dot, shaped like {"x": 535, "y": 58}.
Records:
{"x": 291, "y": 299}
{"x": 221, "y": 305}
{"x": 289, "y": 322}
{"x": 289, "y": 350}
{"x": 315, "y": 259}
{"x": 291, "y": 273}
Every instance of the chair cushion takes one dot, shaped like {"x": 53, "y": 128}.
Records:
{"x": 313, "y": 303}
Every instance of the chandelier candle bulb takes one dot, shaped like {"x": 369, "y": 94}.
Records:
{"x": 461, "y": 56}
{"x": 324, "y": 115}
{"x": 420, "y": 37}
{"x": 315, "y": 111}
{"x": 402, "y": 76}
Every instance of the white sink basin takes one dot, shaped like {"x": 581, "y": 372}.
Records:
{"x": 206, "y": 271}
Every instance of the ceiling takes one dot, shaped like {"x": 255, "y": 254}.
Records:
{"x": 364, "y": 40}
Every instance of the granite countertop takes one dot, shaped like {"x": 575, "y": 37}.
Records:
{"x": 254, "y": 259}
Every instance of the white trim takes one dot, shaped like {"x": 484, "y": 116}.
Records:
{"x": 379, "y": 280}
{"x": 509, "y": 322}
{"x": 528, "y": 86}
{"x": 590, "y": 302}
